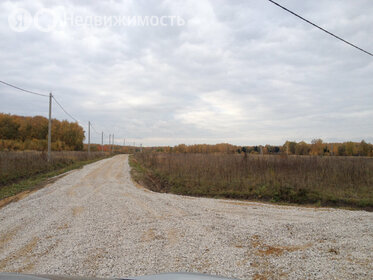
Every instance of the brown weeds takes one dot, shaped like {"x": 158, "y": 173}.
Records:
{"x": 339, "y": 181}
{"x": 20, "y": 165}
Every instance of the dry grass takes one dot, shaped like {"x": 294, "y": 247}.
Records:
{"x": 19, "y": 165}
{"x": 332, "y": 181}
{"x": 24, "y": 172}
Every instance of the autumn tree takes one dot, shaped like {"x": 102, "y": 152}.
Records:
{"x": 8, "y": 127}
{"x": 32, "y": 133}
{"x": 302, "y": 148}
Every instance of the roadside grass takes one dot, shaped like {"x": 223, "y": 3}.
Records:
{"x": 28, "y": 171}
{"x": 304, "y": 180}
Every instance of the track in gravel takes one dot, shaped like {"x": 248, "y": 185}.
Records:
{"x": 96, "y": 222}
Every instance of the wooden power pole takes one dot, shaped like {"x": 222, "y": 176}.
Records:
{"x": 89, "y": 138}
{"x": 50, "y": 127}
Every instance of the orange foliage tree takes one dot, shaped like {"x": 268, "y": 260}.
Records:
{"x": 30, "y": 133}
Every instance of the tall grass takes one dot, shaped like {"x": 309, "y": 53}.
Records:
{"x": 15, "y": 166}
{"x": 344, "y": 181}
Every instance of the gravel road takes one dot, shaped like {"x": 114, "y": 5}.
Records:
{"x": 97, "y": 222}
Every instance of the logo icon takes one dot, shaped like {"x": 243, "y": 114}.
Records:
{"x": 20, "y": 20}
{"x": 45, "y": 20}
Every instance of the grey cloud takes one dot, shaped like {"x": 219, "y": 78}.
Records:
{"x": 243, "y": 72}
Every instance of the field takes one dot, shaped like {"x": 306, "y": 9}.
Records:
{"x": 95, "y": 222}
{"x": 323, "y": 181}
{"x": 21, "y": 171}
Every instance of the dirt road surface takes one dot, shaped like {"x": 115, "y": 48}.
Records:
{"x": 96, "y": 222}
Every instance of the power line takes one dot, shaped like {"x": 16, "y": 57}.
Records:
{"x": 94, "y": 129}
{"x": 58, "y": 103}
{"x": 28, "y": 91}
{"x": 65, "y": 110}
{"x": 326, "y": 31}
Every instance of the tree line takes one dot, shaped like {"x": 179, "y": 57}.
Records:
{"x": 31, "y": 133}
{"x": 317, "y": 148}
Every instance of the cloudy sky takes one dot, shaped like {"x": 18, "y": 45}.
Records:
{"x": 243, "y": 72}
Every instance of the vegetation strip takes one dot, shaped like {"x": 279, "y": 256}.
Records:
{"x": 15, "y": 191}
{"x": 332, "y": 181}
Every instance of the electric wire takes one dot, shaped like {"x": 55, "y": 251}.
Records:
{"x": 315, "y": 25}
{"x": 25, "y": 90}
{"x": 63, "y": 109}
{"x": 94, "y": 129}
{"x": 57, "y": 102}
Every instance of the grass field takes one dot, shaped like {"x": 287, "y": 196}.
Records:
{"x": 323, "y": 181}
{"x": 21, "y": 171}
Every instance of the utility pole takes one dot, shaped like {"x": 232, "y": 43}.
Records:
{"x": 112, "y": 145}
{"x": 102, "y": 141}
{"x": 50, "y": 127}
{"x": 89, "y": 138}
{"x": 140, "y": 148}
{"x": 109, "y": 142}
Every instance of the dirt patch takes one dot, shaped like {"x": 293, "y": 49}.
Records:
{"x": 77, "y": 210}
{"x": 31, "y": 258}
{"x": 148, "y": 235}
{"x": 94, "y": 259}
{"x": 137, "y": 185}
{"x": 8, "y": 236}
{"x": 239, "y": 203}
{"x": 23, "y": 252}
{"x": 63, "y": 226}
{"x": 71, "y": 192}
{"x": 269, "y": 250}
{"x": 279, "y": 250}
{"x": 269, "y": 275}
{"x": 172, "y": 236}
{"x": 15, "y": 198}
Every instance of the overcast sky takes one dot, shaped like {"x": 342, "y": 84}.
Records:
{"x": 243, "y": 72}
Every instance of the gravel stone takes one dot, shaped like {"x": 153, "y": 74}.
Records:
{"x": 96, "y": 222}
